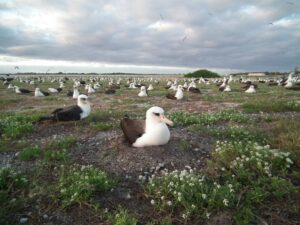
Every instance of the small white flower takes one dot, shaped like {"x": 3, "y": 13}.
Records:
{"x": 204, "y": 196}
{"x": 225, "y": 202}
{"x": 184, "y": 216}
{"x": 169, "y": 203}
{"x": 207, "y": 215}
{"x": 152, "y": 202}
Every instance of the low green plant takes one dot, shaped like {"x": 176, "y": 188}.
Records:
{"x": 15, "y": 125}
{"x": 271, "y": 106}
{"x": 122, "y": 217}
{"x": 13, "y": 186}
{"x": 30, "y": 153}
{"x": 62, "y": 143}
{"x": 233, "y": 133}
{"x": 184, "y": 118}
{"x": 242, "y": 176}
{"x": 102, "y": 126}
{"x": 78, "y": 183}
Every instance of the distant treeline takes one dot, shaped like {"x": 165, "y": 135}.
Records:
{"x": 202, "y": 73}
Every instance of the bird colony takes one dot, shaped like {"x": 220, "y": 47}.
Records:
{"x": 146, "y": 149}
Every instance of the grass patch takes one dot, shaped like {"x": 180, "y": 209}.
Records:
{"x": 233, "y": 133}
{"x": 30, "y": 153}
{"x": 286, "y": 136}
{"x": 186, "y": 119}
{"x": 15, "y": 125}
{"x": 77, "y": 184}
{"x": 102, "y": 126}
{"x": 63, "y": 143}
{"x": 122, "y": 217}
{"x": 271, "y": 106}
{"x": 12, "y": 191}
{"x": 241, "y": 176}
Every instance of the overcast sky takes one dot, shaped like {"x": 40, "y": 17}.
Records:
{"x": 149, "y": 36}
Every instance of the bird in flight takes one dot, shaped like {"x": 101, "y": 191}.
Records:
{"x": 183, "y": 39}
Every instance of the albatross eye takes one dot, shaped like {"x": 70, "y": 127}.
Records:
{"x": 156, "y": 114}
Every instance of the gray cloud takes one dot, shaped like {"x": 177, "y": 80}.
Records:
{"x": 244, "y": 35}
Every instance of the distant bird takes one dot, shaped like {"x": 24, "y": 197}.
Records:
{"x": 194, "y": 90}
{"x": 39, "y": 93}
{"x": 90, "y": 89}
{"x": 183, "y": 39}
{"x": 143, "y": 92}
{"x": 75, "y": 92}
{"x": 22, "y": 90}
{"x": 16, "y": 68}
{"x": 227, "y": 88}
{"x": 54, "y": 90}
{"x": 153, "y": 131}
{"x": 110, "y": 91}
{"x": 251, "y": 89}
{"x": 178, "y": 95}
{"x": 75, "y": 112}
{"x": 150, "y": 88}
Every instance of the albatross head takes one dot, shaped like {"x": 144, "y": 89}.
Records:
{"x": 156, "y": 115}
{"x": 83, "y": 100}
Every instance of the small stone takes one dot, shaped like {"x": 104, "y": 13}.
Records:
{"x": 24, "y": 220}
{"x": 45, "y": 216}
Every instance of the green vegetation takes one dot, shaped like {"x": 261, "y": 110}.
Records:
{"x": 102, "y": 126}
{"x": 77, "y": 184}
{"x": 15, "y": 125}
{"x": 233, "y": 133}
{"x": 30, "y": 153}
{"x": 271, "y": 106}
{"x": 122, "y": 217}
{"x": 202, "y": 73}
{"x": 256, "y": 171}
{"x": 184, "y": 118}
{"x": 12, "y": 192}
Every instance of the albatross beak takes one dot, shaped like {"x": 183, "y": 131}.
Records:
{"x": 166, "y": 120}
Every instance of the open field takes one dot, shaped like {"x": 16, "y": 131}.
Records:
{"x": 233, "y": 158}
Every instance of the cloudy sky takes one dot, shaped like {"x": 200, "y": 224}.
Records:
{"x": 155, "y": 36}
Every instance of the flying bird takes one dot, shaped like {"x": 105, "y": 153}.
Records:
{"x": 183, "y": 39}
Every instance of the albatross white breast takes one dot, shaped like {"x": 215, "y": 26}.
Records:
{"x": 153, "y": 131}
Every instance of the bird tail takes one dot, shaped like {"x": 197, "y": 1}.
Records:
{"x": 170, "y": 96}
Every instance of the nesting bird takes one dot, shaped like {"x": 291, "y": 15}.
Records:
{"x": 39, "y": 93}
{"x": 75, "y": 112}
{"x": 153, "y": 131}
{"x": 178, "y": 95}
{"x": 21, "y": 90}
{"x": 143, "y": 92}
{"x": 251, "y": 89}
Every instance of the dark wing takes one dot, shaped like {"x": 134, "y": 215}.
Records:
{"x": 171, "y": 96}
{"x": 45, "y": 93}
{"x": 24, "y": 90}
{"x": 110, "y": 91}
{"x": 194, "y": 90}
{"x": 221, "y": 88}
{"x": 70, "y": 93}
{"x": 68, "y": 114}
{"x": 132, "y": 129}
